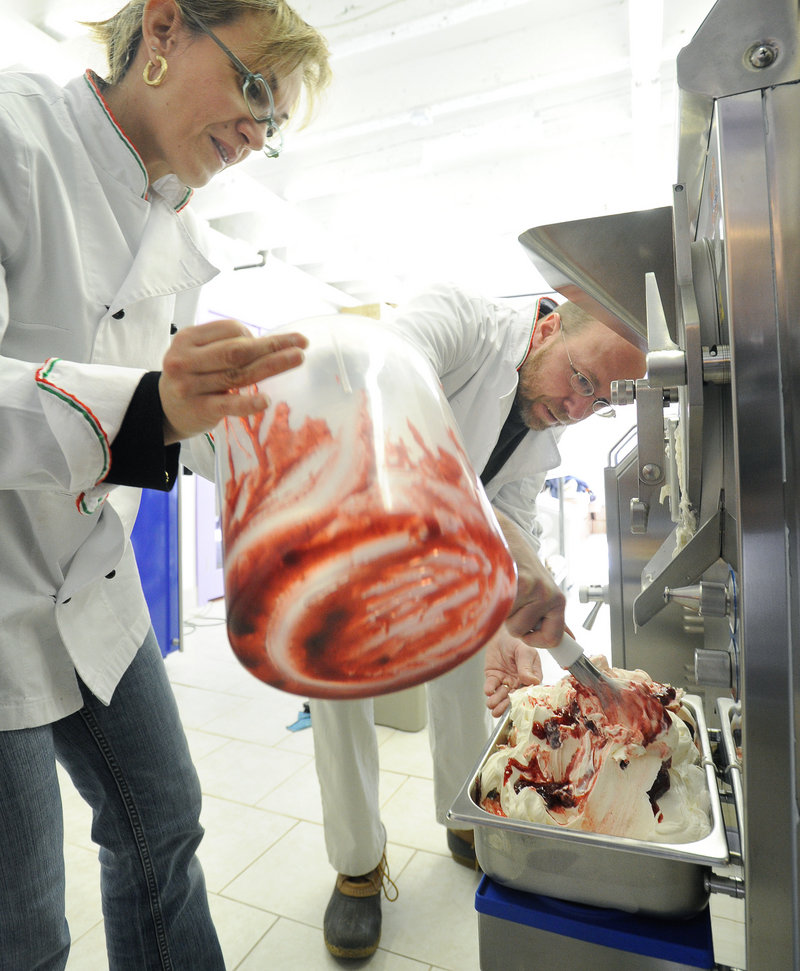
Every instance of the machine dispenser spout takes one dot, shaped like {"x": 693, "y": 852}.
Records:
{"x": 707, "y": 598}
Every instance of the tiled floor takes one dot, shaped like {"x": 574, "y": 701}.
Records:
{"x": 264, "y": 855}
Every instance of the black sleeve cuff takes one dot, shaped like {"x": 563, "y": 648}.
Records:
{"x": 139, "y": 456}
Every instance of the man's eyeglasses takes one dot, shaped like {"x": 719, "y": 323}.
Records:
{"x": 581, "y": 385}
{"x": 256, "y": 91}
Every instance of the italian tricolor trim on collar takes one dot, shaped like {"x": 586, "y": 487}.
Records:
{"x": 533, "y": 331}
{"x": 185, "y": 200}
{"x": 45, "y": 384}
{"x": 93, "y": 82}
{"x": 94, "y": 86}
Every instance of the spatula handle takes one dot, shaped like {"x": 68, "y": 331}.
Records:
{"x": 567, "y": 652}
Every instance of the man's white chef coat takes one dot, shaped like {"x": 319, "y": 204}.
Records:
{"x": 95, "y": 268}
{"x": 476, "y": 348}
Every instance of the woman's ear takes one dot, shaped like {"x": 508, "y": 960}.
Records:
{"x": 160, "y": 23}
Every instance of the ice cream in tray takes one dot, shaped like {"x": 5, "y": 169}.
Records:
{"x": 611, "y": 808}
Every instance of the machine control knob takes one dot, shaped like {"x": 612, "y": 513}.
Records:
{"x": 593, "y": 593}
{"x": 712, "y": 667}
{"x": 623, "y": 392}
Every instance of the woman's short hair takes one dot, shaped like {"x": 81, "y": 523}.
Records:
{"x": 289, "y": 42}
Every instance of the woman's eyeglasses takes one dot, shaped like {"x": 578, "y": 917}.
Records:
{"x": 256, "y": 91}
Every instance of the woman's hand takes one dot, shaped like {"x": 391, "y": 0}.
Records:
{"x": 510, "y": 663}
{"x": 207, "y": 369}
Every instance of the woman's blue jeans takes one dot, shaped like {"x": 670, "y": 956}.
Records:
{"x": 131, "y": 763}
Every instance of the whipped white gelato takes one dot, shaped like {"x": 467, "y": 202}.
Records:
{"x": 632, "y": 771}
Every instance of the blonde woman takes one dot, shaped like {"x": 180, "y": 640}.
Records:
{"x": 100, "y": 265}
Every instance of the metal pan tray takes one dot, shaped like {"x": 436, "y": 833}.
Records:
{"x": 637, "y": 876}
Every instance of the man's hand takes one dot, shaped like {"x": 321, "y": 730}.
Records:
{"x": 510, "y": 663}
{"x": 207, "y": 365}
{"x": 537, "y": 614}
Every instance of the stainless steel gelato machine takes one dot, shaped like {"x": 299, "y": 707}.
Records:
{"x": 703, "y": 503}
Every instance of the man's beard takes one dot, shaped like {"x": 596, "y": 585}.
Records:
{"x": 525, "y": 402}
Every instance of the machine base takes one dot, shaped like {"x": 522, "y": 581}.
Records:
{"x": 517, "y": 928}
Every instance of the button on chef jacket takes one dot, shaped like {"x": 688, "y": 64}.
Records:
{"x": 95, "y": 265}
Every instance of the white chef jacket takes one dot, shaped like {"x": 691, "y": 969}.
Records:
{"x": 476, "y": 348}
{"x": 95, "y": 267}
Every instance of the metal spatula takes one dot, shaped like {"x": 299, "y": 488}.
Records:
{"x": 569, "y": 654}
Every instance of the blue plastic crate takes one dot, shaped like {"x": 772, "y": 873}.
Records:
{"x": 685, "y": 943}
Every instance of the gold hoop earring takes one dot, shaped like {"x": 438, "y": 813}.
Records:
{"x": 162, "y": 71}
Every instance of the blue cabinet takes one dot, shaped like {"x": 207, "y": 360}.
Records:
{"x": 156, "y": 542}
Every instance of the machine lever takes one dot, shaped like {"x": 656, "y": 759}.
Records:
{"x": 666, "y": 362}
{"x": 591, "y": 617}
{"x": 682, "y": 569}
{"x": 593, "y": 593}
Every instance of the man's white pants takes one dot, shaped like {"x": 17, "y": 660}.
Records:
{"x": 346, "y": 750}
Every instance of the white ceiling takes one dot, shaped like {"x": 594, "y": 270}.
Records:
{"x": 445, "y": 134}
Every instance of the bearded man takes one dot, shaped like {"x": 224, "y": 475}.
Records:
{"x": 515, "y": 380}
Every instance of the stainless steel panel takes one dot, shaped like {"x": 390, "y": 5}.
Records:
{"x": 742, "y": 46}
{"x": 756, "y": 132}
{"x": 600, "y": 265}
{"x": 664, "y": 647}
